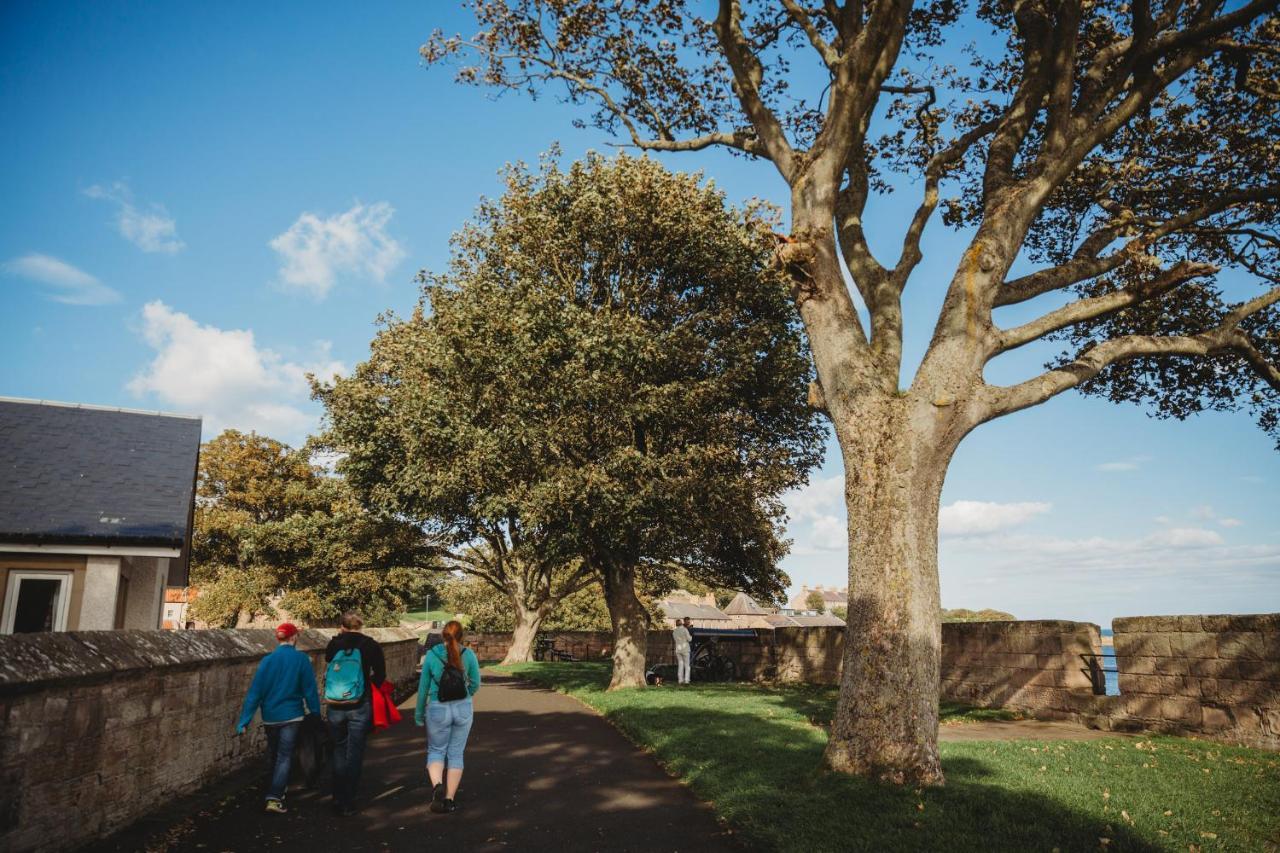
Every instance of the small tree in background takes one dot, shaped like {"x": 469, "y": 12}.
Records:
{"x": 610, "y": 368}
{"x": 815, "y": 601}
{"x": 271, "y": 528}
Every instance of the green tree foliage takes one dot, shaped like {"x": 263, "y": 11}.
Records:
{"x": 272, "y": 529}
{"x": 609, "y": 371}
{"x": 984, "y": 615}
{"x": 488, "y": 609}
{"x": 815, "y": 601}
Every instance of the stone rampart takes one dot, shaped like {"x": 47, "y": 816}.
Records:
{"x": 106, "y": 725}
{"x": 1211, "y": 675}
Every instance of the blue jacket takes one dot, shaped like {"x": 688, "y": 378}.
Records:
{"x": 283, "y": 680}
{"x": 433, "y": 667}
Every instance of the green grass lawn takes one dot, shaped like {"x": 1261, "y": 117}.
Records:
{"x": 428, "y": 616}
{"x": 755, "y": 754}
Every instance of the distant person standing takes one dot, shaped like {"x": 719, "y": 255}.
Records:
{"x": 356, "y": 667}
{"x": 682, "y": 638}
{"x": 450, "y": 677}
{"x": 282, "y": 683}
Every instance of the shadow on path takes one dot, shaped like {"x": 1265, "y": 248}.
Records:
{"x": 543, "y": 773}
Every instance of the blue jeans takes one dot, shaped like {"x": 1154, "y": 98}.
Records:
{"x": 280, "y": 742}
{"x": 348, "y": 727}
{"x": 448, "y": 724}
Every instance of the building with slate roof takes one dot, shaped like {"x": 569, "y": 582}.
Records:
{"x": 96, "y": 511}
{"x": 831, "y": 597}
{"x": 702, "y": 609}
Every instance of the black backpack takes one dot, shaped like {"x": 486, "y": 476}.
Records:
{"x": 452, "y": 685}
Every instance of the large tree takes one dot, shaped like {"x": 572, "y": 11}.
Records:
{"x": 273, "y": 529}
{"x": 611, "y": 371}
{"x": 1121, "y": 152}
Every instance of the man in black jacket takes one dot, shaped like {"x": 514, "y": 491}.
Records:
{"x": 350, "y": 722}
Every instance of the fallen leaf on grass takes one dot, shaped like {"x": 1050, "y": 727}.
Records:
{"x": 1168, "y": 813}
{"x": 1208, "y": 835}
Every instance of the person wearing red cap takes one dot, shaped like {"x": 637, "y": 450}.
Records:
{"x": 283, "y": 682}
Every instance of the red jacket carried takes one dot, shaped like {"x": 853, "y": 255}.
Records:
{"x": 385, "y": 711}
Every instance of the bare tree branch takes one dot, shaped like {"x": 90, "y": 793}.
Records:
{"x": 748, "y": 73}
{"x": 1226, "y": 337}
{"x": 1086, "y": 264}
{"x": 829, "y": 56}
{"x": 1093, "y": 308}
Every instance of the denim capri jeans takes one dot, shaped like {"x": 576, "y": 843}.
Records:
{"x": 448, "y": 724}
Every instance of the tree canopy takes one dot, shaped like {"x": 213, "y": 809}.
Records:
{"x": 610, "y": 370}
{"x": 273, "y": 530}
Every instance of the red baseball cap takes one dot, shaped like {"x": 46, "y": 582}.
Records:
{"x": 286, "y": 630}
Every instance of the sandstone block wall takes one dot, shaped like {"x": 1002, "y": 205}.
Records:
{"x": 1214, "y": 675}
{"x": 1039, "y": 666}
{"x": 106, "y": 725}
{"x": 1217, "y": 676}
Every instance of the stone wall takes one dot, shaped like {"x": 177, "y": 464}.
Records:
{"x": 1039, "y": 666}
{"x": 106, "y": 725}
{"x": 1217, "y": 676}
{"x": 1214, "y": 675}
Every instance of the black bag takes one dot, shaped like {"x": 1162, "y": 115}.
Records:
{"x": 453, "y": 685}
{"x": 312, "y": 750}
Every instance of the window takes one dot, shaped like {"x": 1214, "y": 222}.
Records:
{"x": 36, "y": 601}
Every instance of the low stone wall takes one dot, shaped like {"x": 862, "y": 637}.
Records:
{"x": 584, "y": 645}
{"x": 1214, "y": 675}
{"x": 99, "y": 727}
{"x": 1217, "y": 676}
{"x": 1040, "y": 666}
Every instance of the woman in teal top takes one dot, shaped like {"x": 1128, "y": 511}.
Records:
{"x": 448, "y": 718}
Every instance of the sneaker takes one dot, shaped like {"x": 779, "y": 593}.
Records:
{"x": 450, "y": 807}
{"x": 276, "y": 807}
{"x": 438, "y": 805}
{"x": 437, "y": 793}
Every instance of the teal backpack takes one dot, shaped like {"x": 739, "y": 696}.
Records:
{"x": 344, "y": 679}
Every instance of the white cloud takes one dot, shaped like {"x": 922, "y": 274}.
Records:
{"x": 315, "y": 251}
{"x": 1205, "y": 512}
{"x": 1162, "y": 553}
{"x": 1185, "y": 537}
{"x": 151, "y": 230}
{"x": 224, "y": 375}
{"x": 973, "y": 518}
{"x": 1131, "y": 464}
{"x": 70, "y": 285}
{"x": 816, "y": 517}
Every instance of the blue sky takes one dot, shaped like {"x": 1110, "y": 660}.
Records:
{"x": 205, "y": 201}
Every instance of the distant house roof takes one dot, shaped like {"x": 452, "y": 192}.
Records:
{"x": 820, "y": 621}
{"x": 79, "y": 475}
{"x": 743, "y": 605}
{"x": 681, "y": 610}
{"x": 179, "y": 594}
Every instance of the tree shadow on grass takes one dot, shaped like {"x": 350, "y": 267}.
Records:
{"x": 764, "y": 776}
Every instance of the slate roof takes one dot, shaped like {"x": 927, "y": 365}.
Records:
{"x": 743, "y": 605}
{"x": 78, "y": 475}
{"x": 819, "y": 621}
{"x": 680, "y": 609}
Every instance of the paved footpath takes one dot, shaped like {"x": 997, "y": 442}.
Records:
{"x": 543, "y": 772}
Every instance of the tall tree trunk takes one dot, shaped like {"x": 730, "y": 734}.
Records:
{"x": 630, "y": 626}
{"x": 528, "y": 623}
{"x": 886, "y": 725}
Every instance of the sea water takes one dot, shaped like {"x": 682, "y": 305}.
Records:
{"x": 1109, "y": 670}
